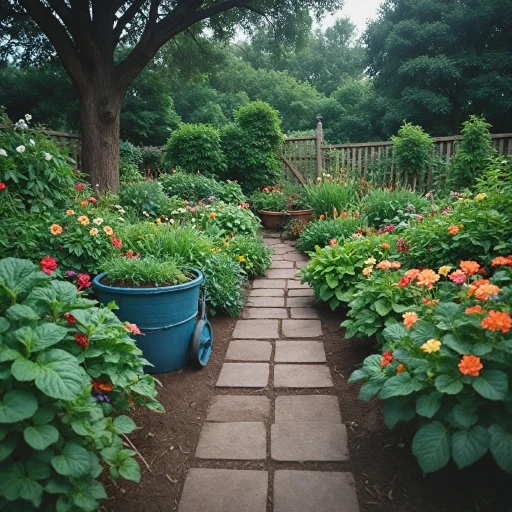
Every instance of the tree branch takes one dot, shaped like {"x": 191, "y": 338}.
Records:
{"x": 125, "y": 18}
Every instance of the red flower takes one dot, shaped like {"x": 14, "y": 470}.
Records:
{"x": 96, "y": 385}
{"x": 404, "y": 282}
{"x": 387, "y": 358}
{"x": 116, "y": 242}
{"x": 2, "y": 186}
{"x": 79, "y": 186}
{"x": 83, "y": 281}
{"x": 70, "y": 318}
{"x": 132, "y": 328}
{"x": 81, "y": 339}
{"x": 333, "y": 241}
{"x": 48, "y": 265}
{"x": 92, "y": 199}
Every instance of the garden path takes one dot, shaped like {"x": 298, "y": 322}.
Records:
{"x": 274, "y": 404}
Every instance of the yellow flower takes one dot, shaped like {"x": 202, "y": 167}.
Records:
{"x": 108, "y": 230}
{"x": 241, "y": 259}
{"x": 93, "y": 232}
{"x": 370, "y": 261}
{"x": 443, "y": 271}
{"x": 84, "y": 220}
{"x": 98, "y": 221}
{"x": 367, "y": 271}
{"x": 481, "y": 196}
{"x": 431, "y": 345}
{"x": 70, "y": 212}
{"x": 158, "y": 221}
{"x": 56, "y": 229}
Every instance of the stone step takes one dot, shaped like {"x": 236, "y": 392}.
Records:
{"x": 301, "y": 328}
{"x": 267, "y": 302}
{"x": 299, "y": 351}
{"x": 243, "y": 375}
{"x": 302, "y": 376}
{"x": 237, "y": 408}
{"x": 266, "y": 292}
{"x": 249, "y": 350}
{"x": 256, "y": 329}
{"x": 306, "y": 408}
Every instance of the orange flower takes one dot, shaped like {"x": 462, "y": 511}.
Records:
{"x": 470, "y": 365}
{"x": 335, "y": 213}
{"x": 367, "y": 271}
{"x": 453, "y": 230}
{"x": 497, "y": 321}
{"x": 385, "y": 246}
{"x": 410, "y": 318}
{"x": 469, "y": 268}
{"x": 412, "y": 274}
{"x": 213, "y": 215}
{"x": 322, "y": 217}
{"x": 395, "y": 264}
{"x": 83, "y": 202}
{"x": 70, "y": 212}
{"x": 474, "y": 309}
{"x": 427, "y": 278}
{"x": 400, "y": 368}
{"x": 344, "y": 214}
{"x": 487, "y": 290}
{"x": 105, "y": 386}
{"x": 500, "y": 260}
{"x": 108, "y": 230}
{"x": 56, "y": 229}
{"x": 384, "y": 264}
{"x": 93, "y": 232}
{"x": 84, "y": 220}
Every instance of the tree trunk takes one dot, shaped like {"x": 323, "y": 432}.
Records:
{"x": 100, "y": 111}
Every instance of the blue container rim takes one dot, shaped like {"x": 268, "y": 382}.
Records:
{"x": 149, "y": 291}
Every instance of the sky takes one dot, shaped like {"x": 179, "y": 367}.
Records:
{"x": 357, "y": 10}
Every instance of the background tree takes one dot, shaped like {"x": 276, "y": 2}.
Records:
{"x": 85, "y": 34}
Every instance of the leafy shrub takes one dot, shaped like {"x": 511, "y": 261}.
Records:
{"x": 144, "y": 196}
{"x": 269, "y": 200}
{"x": 412, "y": 149}
{"x": 321, "y": 232}
{"x": 232, "y": 193}
{"x": 475, "y": 148}
{"x": 251, "y": 253}
{"x": 65, "y": 367}
{"x": 129, "y": 172}
{"x": 225, "y": 219}
{"x": 130, "y": 154}
{"x": 294, "y": 228}
{"x": 329, "y": 196}
{"x": 448, "y": 367}
{"x": 151, "y": 158}
{"x": 251, "y": 146}
{"x": 195, "y": 148}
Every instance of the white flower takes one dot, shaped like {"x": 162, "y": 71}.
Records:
{"x": 193, "y": 220}
{"x": 21, "y": 124}
{"x": 121, "y": 219}
{"x": 3, "y": 152}
{"x": 20, "y": 149}
{"x": 32, "y": 142}
{"x": 97, "y": 185}
{"x": 171, "y": 221}
{"x": 28, "y": 117}
{"x": 98, "y": 221}
{"x": 47, "y": 156}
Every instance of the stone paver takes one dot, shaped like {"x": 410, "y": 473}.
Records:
{"x": 243, "y": 375}
{"x": 232, "y": 441}
{"x": 304, "y": 408}
{"x": 302, "y": 376}
{"x": 314, "y": 491}
{"x": 256, "y": 329}
{"x": 285, "y": 250}
{"x": 300, "y": 302}
{"x": 278, "y": 257}
{"x": 299, "y": 351}
{"x": 266, "y": 292}
{"x": 281, "y": 273}
{"x": 295, "y": 256}
{"x": 295, "y": 284}
{"x": 269, "y": 283}
{"x": 303, "y": 312}
{"x": 308, "y": 441}
{"x": 304, "y": 292}
{"x": 249, "y": 350}
{"x": 265, "y": 313}
{"x": 266, "y": 302}
{"x": 226, "y": 408}
{"x": 301, "y": 328}
{"x": 282, "y": 264}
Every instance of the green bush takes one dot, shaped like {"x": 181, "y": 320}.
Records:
{"x": 412, "y": 149}
{"x": 470, "y": 160}
{"x": 130, "y": 154}
{"x": 251, "y": 253}
{"x": 129, "y": 172}
{"x": 195, "y": 148}
{"x": 328, "y": 196}
{"x": 229, "y": 219}
{"x": 66, "y": 366}
{"x": 271, "y": 200}
{"x": 144, "y": 197}
{"x": 151, "y": 159}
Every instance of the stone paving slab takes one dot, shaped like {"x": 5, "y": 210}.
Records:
{"x": 284, "y": 250}
{"x": 281, "y": 273}
{"x": 296, "y": 256}
{"x": 266, "y": 292}
{"x": 283, "y": 264}
{"x": 269, "y": 283}
{"x": 301, "y": 328}
{"x": 264, "y": 313}
{"x": 243, "y": 375}
{"x": 303, "y": 292}
{"x": 224, "y": 490}
{"x": 304, "y": 408}
{"x": 226, "y": 408}
{"x": 308, "y": 441}
{"x": 256, "y": 329}
{"x": 314, "y": 491}
{"x": 249, "y": 350}
{"x": 300, "y": 264}
{"x": 303, "y": 312}
{"x": 299, "y": 351}
{"x": 295, "y": 284}
{"x": 270, "y": 234}
{"x": 233, "y": 441}
{"x": 300, "y": 302}
{"x": 266, "y": 302}
{"x": 302, "y": 376}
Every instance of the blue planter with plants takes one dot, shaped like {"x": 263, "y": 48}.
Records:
{"x": 166, "y": 317}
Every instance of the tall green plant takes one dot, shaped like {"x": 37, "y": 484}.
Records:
{"x": 412, "y": 149}
{"x": 327, "y": 196}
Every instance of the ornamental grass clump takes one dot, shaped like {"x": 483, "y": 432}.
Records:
{"x": 67, "y": 370}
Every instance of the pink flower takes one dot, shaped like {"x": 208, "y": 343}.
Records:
{"x": 79, "y": 186}
{"x": 133, "y": 329}
{"x": 83, "y": 281}
{"x": 48, "y": 265}
{"x": 333, "y": 241}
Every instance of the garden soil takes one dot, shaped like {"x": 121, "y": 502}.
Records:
{"x": 386, "y": 473}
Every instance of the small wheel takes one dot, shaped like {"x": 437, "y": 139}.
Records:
{"x": 202, "y": 344}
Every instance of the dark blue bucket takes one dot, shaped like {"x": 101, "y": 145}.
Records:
{"x": 167, "y": 317}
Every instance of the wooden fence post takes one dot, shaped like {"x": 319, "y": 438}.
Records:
{"x": 319, "y": 141}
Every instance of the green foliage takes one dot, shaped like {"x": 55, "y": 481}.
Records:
{"x": 143, "y": 271}
{"x": 195, "y": 148}
{"x": 129, "y": 153}
{"x": 66, "y": 366}
{"x": 412, "y": 149}
{"x": 229, "y": 219}
{"x": 252, "y": 146}
{"x": 144, "y": 197}
{"x": 270, "y": 201}
{"x": 473, "y": 152}
{"x": 251, "y": 253}
{"x": 328, "y": 195}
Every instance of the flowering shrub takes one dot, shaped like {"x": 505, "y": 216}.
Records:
{"x": 66, "y": 366}
{"x": 250, "y": 252}
{"x": 294, "y": 228}
{"x": 448, "y": 363}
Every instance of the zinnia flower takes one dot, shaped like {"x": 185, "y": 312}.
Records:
{"x": 93, "y": 232}
{"x": 116, "y": 242}
{"x": 83, "y": 281}
{"x": 92, "y": 199}
{"x": 410, "y": 318}
{"x": 333, "y": 241}
{"x": 427, "y": 278}
{"x": 70, "y": 212}
{"x": 48, "y": 265}
{"x": 485, "y": 291}
{"x": 387, "y": 358}
{"x": 83, "y": 219}
{"x": 431, "y": 346}
{"x": 385, "y": 246}
{"x": 370, "y": 261}
{"x": 367, "y": 271}
{"x": 322, "y": 217}
{"x": 412, "y": 274}
{"x": 98, "y": 221}
{"x": 132, "y": 328}
{"x": 500, "y": 260}
{"x": 70, "y": 318}
{"x": 395, "y": 264}
{"x": 470, "y": 365}
{"x": 108, "y": 230}
{"x": 81, "y": 339}
{"x": 453, "y": 230}
{"x": 474, "y": 309}
{"x": 213, "y": 215}
{"x": 384, "y": 264}
{"x": 400, "y": 368}
{"x": 79, "y": 186}
{"x": 105, "y": 386}
{"x": 20, "y": 149}
{"x": 2, "y": 186}
{"x": 443, "y": 271}
{"x": 344, "y": 214}
{"x": 241, "y": 259}
{"x": 56, "y": 229}
{"x": 458, "y": 277}
{"x": 497, "y": 321}
{"x": 404, "y": 282}
{"x": 481, "y": 196}
{"x": 469, "y": 268}
{"x": 83, "y": 202}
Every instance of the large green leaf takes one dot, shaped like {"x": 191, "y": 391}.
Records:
{"x": 42, "y": 337}
{"x": 463, "y": 416}
{"x": 129, "y": 469}
{"x": 424, "y": 331}
{"x": 449, "y": 315}
{"x": 491, "y": 384}
{"x": 41, "y": 436}
{"x": 73, "y": 461}
{"x": 382, "y": 307}
{"x": 428, "y": 405}
{"x": 395, "y": 332}
{"x": 7, "y": 447}
{"x": 398, "y": 409}
{"x": 4, "y": 324}
{"x": 431, "y": 446}
{"x": 398, "y": 385}
{"x": 448, "y": 384}
{"x": 501, "y": 447}
{"x": 460, "y": 347}
{"x": 16, "y": 483}
{"x": 469, "y": 445}
{"x": 124, "y": 425}
{"x": 21, "y": 312}
{"x": 17, "y": 405}
{"x": 18, "y": 277}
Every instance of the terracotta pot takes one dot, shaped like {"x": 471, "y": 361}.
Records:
{"x": 304, "y": 215}
{"x": 271, "y": 220}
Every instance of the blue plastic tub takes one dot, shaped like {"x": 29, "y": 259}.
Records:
{"x": 166, "y": 316}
